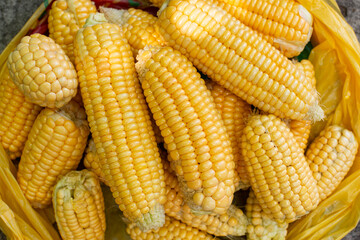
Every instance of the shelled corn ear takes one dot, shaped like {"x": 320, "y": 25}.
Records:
{"x": 233, "y": 222}
{"x": 237, "y": 58}
{"x": 262, "y": 226}
{"x": 54, "y": 147}
{"x": 119, "y": 121}
{"x": 172, "y": 230}
{"x": 66, "y": 17}
{"x": 234, "y": 112}
{"x": 279, "y": 175}
{"x": 330, "y": 157}
{"x": 17, "y": 115}
{"x": 92, "y": 161}
{"x": 285, "y": 23}
{"x": 138, "y": 26}
{"x": 79, "y": 206}
{"x": 193, "y": 132}
{"x": 42, "y": 71}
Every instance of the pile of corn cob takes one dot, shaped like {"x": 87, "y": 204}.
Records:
{"x": 172, "y": 147}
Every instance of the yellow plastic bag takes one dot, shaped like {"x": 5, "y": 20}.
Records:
{"x": 336, "y": 57}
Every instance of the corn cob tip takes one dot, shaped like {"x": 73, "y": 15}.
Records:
{"x": 152, "y": 220}
{"x": 293, "y": 48}
{"x": 72, "y": 178}
{"x": 241, "y": 221}
{"x": 95, "y": 18}
{"x": 290, "y": 48}
{"x": 315, "y": 113}
{"x": 269, "y": 229}
{"x": 116, "y": 16}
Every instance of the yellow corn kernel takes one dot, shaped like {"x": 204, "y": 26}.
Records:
{"x": 42, "y": 71}
{"x": 17, "y": 115}
{"x": 172, "y": 230}
{"x": 54, "y": 147}
{"x": 233, "y": 222}
{"x": 138, "y": 26}
{"x": 66, "y": 17}
{"x": 236, "y": 57}
{"x": 194, "y": 134}
{"x": 79, "y": 206}
{"x": 330, "y": 157}
{"x": 279, "y": 174}
{"x": 286, "y": 23}
{"x": 234, "y": 113}
{"x": 120, "y": 122}
{"x": 261, "y": 226}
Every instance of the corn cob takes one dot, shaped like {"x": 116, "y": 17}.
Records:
{"x": 42, "y": 71}
{"x": 330, "y": 157}
{"x": 291, "y": 37}
{"x": 233, "y": 222}
{"x": 79, "y": 206}
{"x": 66, "y": 17}
{"x": 286, "y": 23}
{"x": 172, "y": 230}
{"x": 279, "y": 174}
{"x": 120, "y": 122}
{"x": 138, "y": 27}
{"x": 234, "y": 56}
{"x": 92, "y": 161}
{"x": 234, "y": 112}
{"x": 17, "y": 116}
{"x": 54, "y": 147}
{"x": 193, "y": 132}
{"x": 261, "y": 226}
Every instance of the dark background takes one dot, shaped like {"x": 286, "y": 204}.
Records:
{"x": 14, "y": 14}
